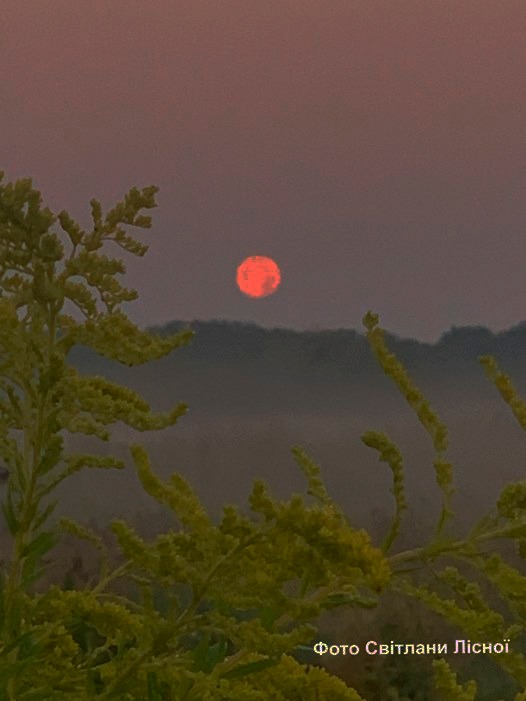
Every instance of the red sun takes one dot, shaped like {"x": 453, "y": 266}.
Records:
{"x": 258, "y": 276}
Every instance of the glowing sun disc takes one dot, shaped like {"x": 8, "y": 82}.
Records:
{"x": 258, "y": 276}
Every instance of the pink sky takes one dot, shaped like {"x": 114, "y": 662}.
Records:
{"x": 375, "y": 150}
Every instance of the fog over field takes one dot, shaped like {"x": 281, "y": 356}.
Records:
{"x": 253, "y": 393}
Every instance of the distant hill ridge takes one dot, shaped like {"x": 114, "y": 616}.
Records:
{"x": 236, "y": 368}
{"x": 243, "y": 340}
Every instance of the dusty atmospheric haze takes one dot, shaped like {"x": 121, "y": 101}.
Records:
{"x": 375, "y": 150}
{"x": 255, "y": 392}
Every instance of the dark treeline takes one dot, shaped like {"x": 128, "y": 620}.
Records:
{"x": 233, "y": 368}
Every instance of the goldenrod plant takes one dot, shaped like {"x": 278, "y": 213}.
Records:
{"x": 468, "y": 610}
{"x": 240, "y": 596}
{"x": 220, "y": 610}
{"x": 43, "y": 396}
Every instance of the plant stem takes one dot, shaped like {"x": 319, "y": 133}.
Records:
{"x": 434, "y": 550}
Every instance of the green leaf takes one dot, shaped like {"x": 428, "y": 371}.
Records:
{"x": 32, "y": 575}
{"x": 152, "y": 687}
{"x": 217, "y": 653}
{"x": 40, "y": 545}
{"x": 200, "y": 653}
{"x": 17, "y": 642}
{"x": 9, "y": 514}
{"x": 52, "y": 455}
{"x": 207, "y": 656}
{"x": 45, "y": 514}
{"x": 32, "y": 552}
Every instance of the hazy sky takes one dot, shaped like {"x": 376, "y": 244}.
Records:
{"x": 374, "y": 149}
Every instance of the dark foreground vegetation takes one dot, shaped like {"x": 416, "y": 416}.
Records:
{"x": 235, "y": 607}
